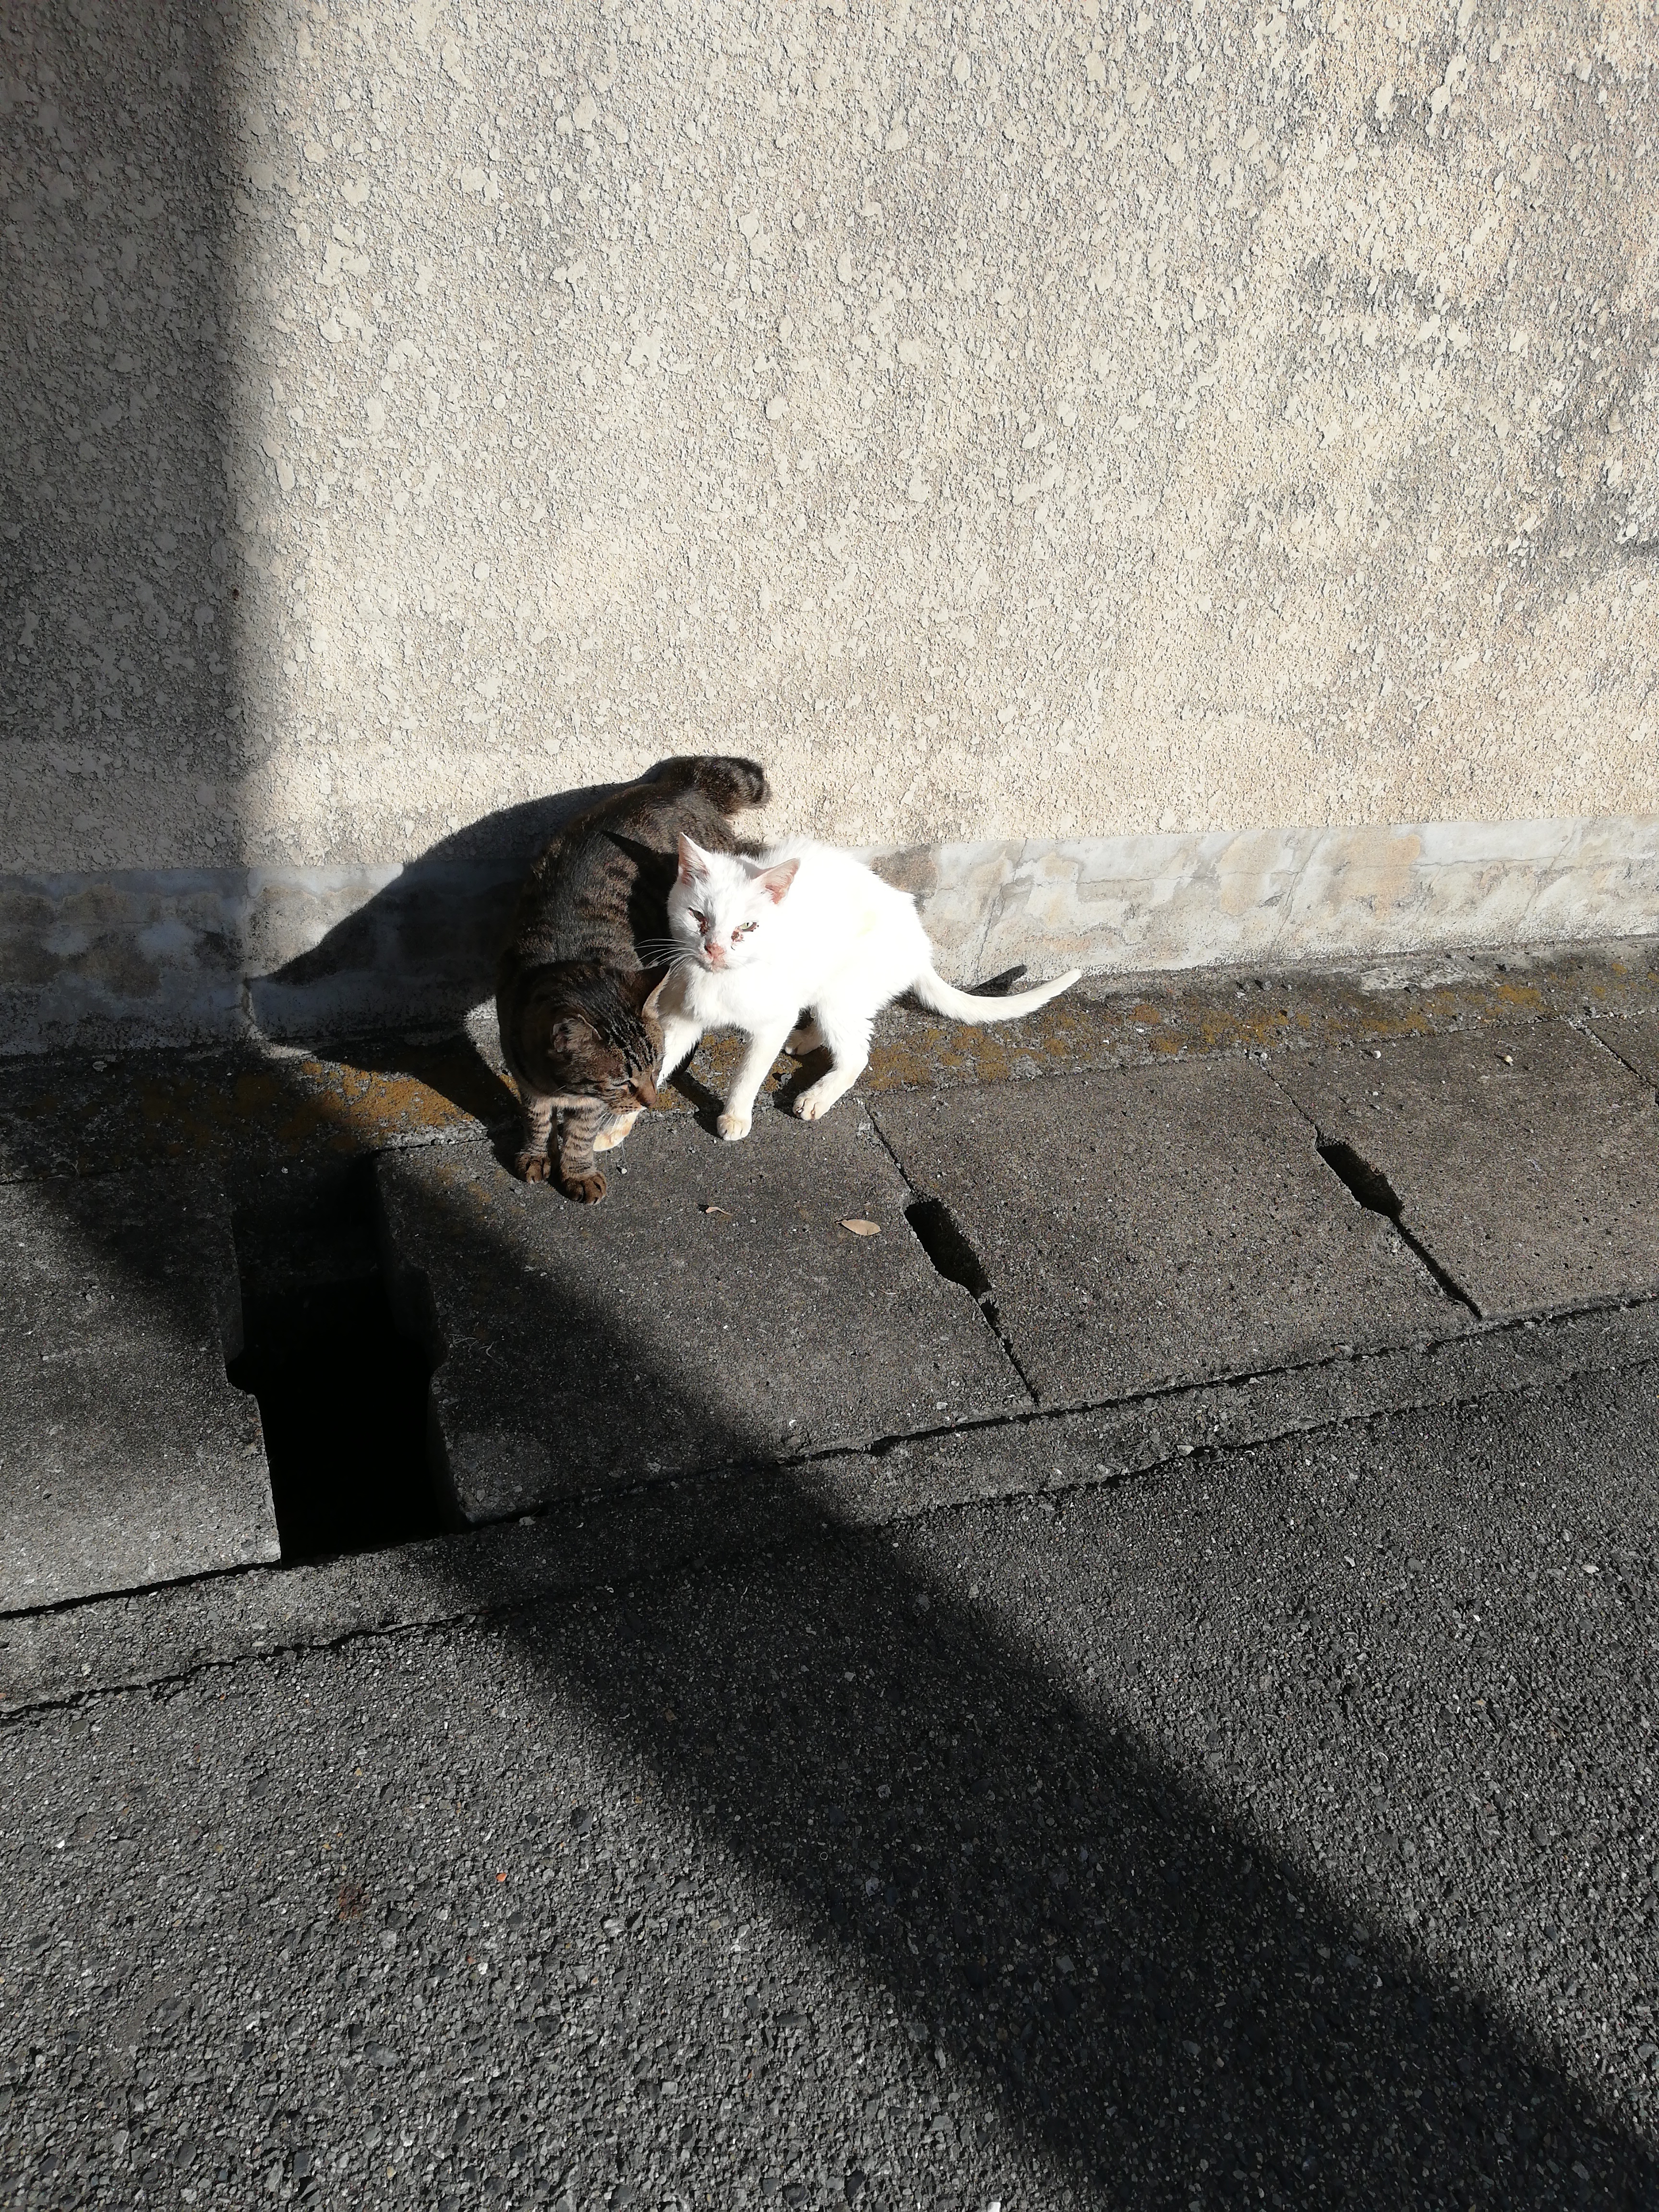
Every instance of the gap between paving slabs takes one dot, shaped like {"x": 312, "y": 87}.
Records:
{"x": 342, "y": 1402}
{"x": 1635, "y": 1040}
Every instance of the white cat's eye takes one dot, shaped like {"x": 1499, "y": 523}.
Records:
{"x": 743, "y": 930}
{"x": 702, "y": 921}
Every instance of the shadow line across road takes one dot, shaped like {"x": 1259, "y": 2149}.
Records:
{"x": 1147, "y": 1985}
{"x": 1166, "y": 2003}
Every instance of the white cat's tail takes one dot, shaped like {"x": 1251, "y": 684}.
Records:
{"x": 977, "y": 1006}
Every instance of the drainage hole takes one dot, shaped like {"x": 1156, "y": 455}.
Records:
{"x": 342, "y": 1399}
{"x": 952, "y": 1255}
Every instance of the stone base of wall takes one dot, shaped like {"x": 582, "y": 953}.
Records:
{"x": 136, "y": 958}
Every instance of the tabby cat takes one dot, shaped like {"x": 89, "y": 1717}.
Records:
{"x": 576, "y": 1008}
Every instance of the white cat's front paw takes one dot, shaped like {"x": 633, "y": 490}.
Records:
{"x": 734, "y": 1128}
{"x": 812, "y": 1104}
{"x": 614, "y": 1132}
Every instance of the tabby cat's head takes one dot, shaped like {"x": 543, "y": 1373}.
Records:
{"x": 602, "y": 1040}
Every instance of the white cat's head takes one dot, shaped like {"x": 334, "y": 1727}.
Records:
{"x": 722, "y": 904}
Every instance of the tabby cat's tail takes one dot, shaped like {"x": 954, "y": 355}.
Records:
{"x": 973, "y": 1006}
{"x": 732, "y": 782}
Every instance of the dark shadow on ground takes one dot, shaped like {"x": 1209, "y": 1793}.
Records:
{"x": 342, "y": 1405}
{"x": 1138, "y": 1986}
{"x": 1138, "y": 1982}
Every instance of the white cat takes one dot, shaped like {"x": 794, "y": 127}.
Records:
{"x": 803, "y": 925}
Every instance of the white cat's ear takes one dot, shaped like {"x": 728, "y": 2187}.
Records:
{"x": 694, "y": 861}
{"x": 775, "y": 882}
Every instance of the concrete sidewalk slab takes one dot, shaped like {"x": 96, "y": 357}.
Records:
{"x": 1157, "y": 1226}
{"x": 126, "y": 1456}
{"x": 1525, "y": 1161}
{"x": 713, "y": 1309}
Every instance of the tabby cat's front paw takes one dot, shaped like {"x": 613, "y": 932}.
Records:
{"x": 586, "y": 1189}
{"x": 734, "y": 1128}
{"x": 531, "y": 1167}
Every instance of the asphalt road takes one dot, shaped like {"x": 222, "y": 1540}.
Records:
{"x": 1276, "y": 1828}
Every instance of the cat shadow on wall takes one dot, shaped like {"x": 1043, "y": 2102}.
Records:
{"x": 408, "y": 975}
{"x": 408, "y": 972}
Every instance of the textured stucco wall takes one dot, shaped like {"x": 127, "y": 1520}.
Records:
{"x": 131, "y": 955}
{"x": 1009, "y": 421}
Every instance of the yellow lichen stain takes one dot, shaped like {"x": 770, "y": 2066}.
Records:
{"x": 1220, "y": 1031}
{"x": 1395, "y": 1025}
{"x": 895, "y": 1067}
{"x": 291, "y": 1107}
{"x": 312, "y": 1103}
{"x": 355, "y": 1108}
